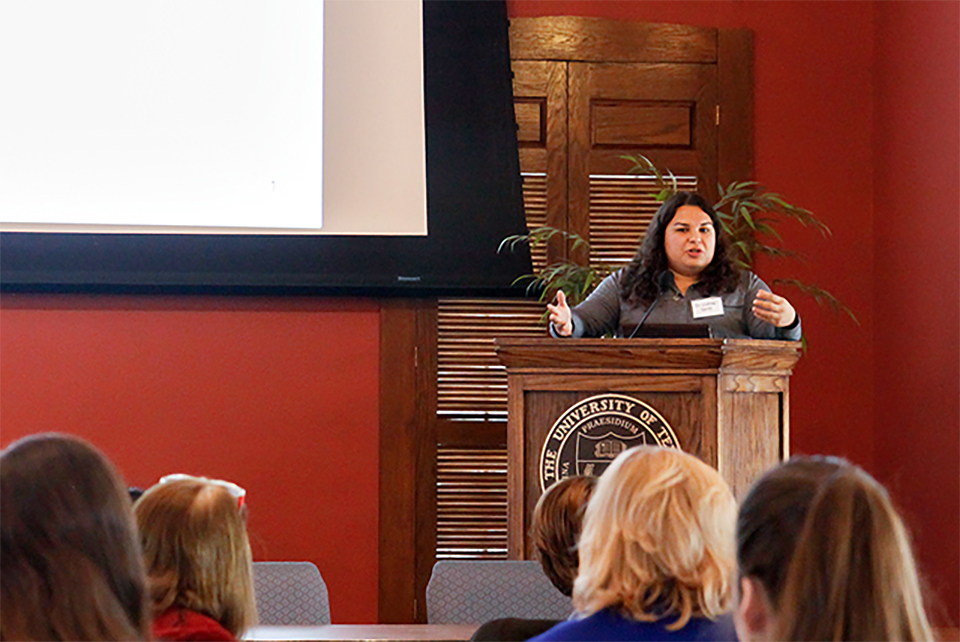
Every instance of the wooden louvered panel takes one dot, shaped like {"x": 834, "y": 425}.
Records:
{"x": 621, "y": 208}
{"x": 471, "y": 503}
{"x": 535, "y": 205}
{"x": 471, "y": 382}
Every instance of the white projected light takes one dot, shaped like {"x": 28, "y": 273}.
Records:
{"x": 181, "y": 116}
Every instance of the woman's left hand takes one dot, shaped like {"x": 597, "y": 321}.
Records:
{"x": 773, "y": 309}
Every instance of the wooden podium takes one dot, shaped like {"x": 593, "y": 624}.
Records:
{"x": 726, "y": 401}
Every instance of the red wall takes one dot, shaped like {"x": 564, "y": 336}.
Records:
{"x": 279, "y": 396}
{"x": 856, "y": 119}
{"x": 917, "y": 277}
{"x": 812, "y": 142}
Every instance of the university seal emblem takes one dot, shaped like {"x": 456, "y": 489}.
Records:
{"x": 591, "y": 433}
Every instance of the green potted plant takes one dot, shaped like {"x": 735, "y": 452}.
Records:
{"x": 749, "y": 213}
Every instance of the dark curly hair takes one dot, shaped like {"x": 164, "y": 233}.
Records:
{"x": 641, "y": 279}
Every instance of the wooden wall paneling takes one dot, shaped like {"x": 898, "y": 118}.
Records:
{"x": 785, "y": 422}
{"x": 578, "y": 156}
{"x": 530, "y": 106}
{"x": 667, "y": 112}
{"x": 474, "y": 433}
{"x": 709, "y": 408}
{"x": 735, "y": 87}
{"x": 540, "y": 103}
{"x": 600, "y": 40}
{"x": 516, "y": 445}
{"x": 407, "y": 455}
{"x": 619, "y": 123}
{"x": 426, "y": 453}
{"x": 557, "y": 168}
{"x": 745, "y": 453}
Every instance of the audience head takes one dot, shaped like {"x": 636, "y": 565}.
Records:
{"x": 658, "y": 539}
{"x": 557, "y": 521}
{"x": 71, "y": 564}
{"x": 194, "y": 537}
{"x": 823, "y": 555}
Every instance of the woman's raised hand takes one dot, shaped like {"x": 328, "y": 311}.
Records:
{"x": 773, "y": 309}
{"x": 560, "y": 315}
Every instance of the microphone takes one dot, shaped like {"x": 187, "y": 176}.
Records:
{"x": 645, "y": 315}
{"x": 662, "y": 285}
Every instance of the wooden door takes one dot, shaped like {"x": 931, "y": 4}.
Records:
{"x": 663, "y": 111}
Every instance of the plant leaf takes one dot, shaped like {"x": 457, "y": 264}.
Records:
{"x": 821, "y": 296}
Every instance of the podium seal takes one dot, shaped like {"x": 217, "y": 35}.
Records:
{"x": 592, "y": 432}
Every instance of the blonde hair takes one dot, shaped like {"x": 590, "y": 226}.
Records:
{"x": 658, "y": 539}
{"x": 198, "y": 557}
{"x": 557, "y": 521}
{"x": 71, "y": 567}
{"x": 825, "y": 541}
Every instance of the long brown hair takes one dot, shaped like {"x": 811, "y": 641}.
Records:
{"x": 555, "y": 529}
{"x": 195, "y": 544}
{"x": 71, "y": 563}
{"x": 825, "y": 541}
{"x": 642, "y": 278}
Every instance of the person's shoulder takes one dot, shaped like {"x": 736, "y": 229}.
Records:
{"x": 609, "y": 625}
{"x": 720, "y": 630}
{"x": 512, "y": 629}
{"x": 609, "y": 287}
{"x": 602, "y": 625}
{"x": 184, "y": 625}
{"x": 750, "y": 281}
{"x": 576, "y": 628}
{"x": 616, "y": 276}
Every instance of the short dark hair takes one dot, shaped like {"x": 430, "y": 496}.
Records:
{"x": 641, "y": 279}
{"x": 557, "y": 520}
{"x": 72, "y": 566}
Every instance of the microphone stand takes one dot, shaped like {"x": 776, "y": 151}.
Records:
{"x": 645, "y": 315}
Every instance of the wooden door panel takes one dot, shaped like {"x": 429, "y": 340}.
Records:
{"x": 619, "y": 124}
{"x": 664, "y": 111}
{"x": 531, "y": 117}
{"x": 660, "y": 111}
{"x": 540, "y": 105}
{"x": 598, "y": 39}
{"x": 647, "y": 81}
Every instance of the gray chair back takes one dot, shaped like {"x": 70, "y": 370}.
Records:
{"x": 477, "y": 591}
{"x": 290, "y": 593}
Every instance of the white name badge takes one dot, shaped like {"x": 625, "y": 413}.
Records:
{"x": 710, "y": 307}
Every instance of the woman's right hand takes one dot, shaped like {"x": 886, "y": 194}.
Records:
{"x": 560, "y": 315}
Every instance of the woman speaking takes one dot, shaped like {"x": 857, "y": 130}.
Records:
{"x": 681, "y": 274}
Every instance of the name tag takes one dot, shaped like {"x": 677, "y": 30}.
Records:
{"x": 710, "y": 307}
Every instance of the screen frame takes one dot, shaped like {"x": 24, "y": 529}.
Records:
{"x": 474, "y": 200}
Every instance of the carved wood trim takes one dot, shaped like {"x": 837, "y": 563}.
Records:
{"x": 645, "y": 355}
{"x": 407, "y": 525}
{"x": 601, "y": 40}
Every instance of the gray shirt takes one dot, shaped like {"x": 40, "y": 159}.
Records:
{"x": 605, "y": 312}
